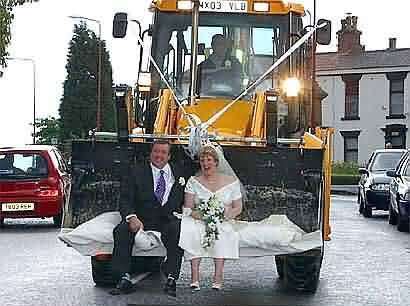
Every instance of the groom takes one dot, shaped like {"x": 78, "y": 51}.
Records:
{"x": 156, "y": 190}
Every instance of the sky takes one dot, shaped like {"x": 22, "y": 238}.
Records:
{"x": 42, "y": 31}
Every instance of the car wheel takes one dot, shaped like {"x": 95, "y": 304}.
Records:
{"x": 1, "y": 222}
{"x": 392, "y": 215}
{"x": 57, "y": 220}
{"x": 367, "y": 211}
{"x": 361, "y": 206}
{"x": 402, "y": 224}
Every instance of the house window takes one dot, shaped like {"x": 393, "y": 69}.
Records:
{"x": 351, "y": 96}
{"x": 395, "y": 134}
{"x": 396, "y": 101}
{"x": 351, "y": 146}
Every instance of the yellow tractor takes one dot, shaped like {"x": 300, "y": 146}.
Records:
{"x": 254, "y": 94}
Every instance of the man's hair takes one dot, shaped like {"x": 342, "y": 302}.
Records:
{"x": 217, "y": 37}
{"x": 161, "y": 141}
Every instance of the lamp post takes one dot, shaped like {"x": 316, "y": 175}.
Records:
{"x": 33, "y": 63}
{"x": 98, "y": 124}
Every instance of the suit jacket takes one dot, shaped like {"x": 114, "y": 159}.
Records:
{"x": 139, "y": 198}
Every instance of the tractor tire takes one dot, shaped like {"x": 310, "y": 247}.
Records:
{"x": 301, "y": 272}
{"x": 279, "y": 266}
{"x": 392, "y": 215}
{"x": 102, "y": 272}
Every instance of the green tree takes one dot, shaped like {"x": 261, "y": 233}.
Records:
{"x": 78, "y": 108}
{"x": 6, "y": 18}
{"x": 48, "y": 130}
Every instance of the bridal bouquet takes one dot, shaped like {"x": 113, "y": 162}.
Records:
{"x": 212, "y": 212}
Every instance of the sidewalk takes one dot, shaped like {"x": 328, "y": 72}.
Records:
{"x": 344, "y": 189}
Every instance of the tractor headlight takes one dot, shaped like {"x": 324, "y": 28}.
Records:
{"x": 291, "y": 87}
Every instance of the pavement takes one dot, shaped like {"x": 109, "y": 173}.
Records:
{"x": 344, "y": 189}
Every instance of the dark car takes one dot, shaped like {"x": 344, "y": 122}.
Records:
{"x": 374, "y": 183}
{"x": 34, "y": 183}
{"x": 399, "y": 206}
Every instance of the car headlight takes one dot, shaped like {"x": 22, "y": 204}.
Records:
{"x": 380, "y": 187}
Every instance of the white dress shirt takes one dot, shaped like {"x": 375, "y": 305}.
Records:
{"x": 169, "y": 180}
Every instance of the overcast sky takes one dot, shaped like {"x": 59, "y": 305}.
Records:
{"x": 42, "y": 31}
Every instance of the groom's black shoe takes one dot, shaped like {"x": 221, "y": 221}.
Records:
{"x": 124, "y": 286}
{"x": 171, "y": 287}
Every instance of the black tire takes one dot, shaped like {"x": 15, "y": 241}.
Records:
{"x": 367, "y": 211}
{"x": 102, "y": 269}
{"x": 392, "y": 215}
{"x": 301, "y": 272}
{"x": 102, "y": 272}
{"x": 402, "y": 224}
{"x": 1, "y": 222}
{"x": 360, "y": 205}
{"x": 279, "y": 266}
{"x": 57, "y": 220}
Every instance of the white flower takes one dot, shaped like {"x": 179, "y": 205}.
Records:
{"x": 181, "y": 181}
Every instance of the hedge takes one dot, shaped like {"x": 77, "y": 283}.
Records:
{"x": 345, "y": 179}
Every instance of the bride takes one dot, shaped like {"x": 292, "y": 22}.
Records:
{"x": 210, "y": 183}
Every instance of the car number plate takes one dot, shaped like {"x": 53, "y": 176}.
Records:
{"x": 225, "y": 6}
{"x": 17, "y": 206}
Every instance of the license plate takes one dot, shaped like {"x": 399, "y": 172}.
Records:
{"x": 17, "y": 206}
{"x": 225, "y": 6}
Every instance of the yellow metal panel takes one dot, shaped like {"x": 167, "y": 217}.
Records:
{"x": 235, "y": 122}
{"x": 162, "y": 113}
{"x": 275, "y": 7}
{"x": 258, "y": 120}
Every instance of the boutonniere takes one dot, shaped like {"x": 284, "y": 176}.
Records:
{"x": 228, "y": 64}
{"x": 181, "y": 181}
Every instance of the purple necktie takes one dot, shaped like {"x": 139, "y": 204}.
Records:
{"x": 160, "y": 188}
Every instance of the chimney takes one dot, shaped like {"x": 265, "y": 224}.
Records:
{"x": 349, "y": 36}
{"x": 392, "y": 43}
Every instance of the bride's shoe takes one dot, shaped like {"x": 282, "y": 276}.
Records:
{"x": 195, "y": 286}
{"x": 217, "y": 286}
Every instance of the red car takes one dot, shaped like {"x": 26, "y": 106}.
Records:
{"x": 34, "y": 183}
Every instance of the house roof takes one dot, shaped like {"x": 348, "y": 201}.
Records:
{"x": 388, "y": 58}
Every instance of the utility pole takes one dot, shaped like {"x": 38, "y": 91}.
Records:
{"x": 99, "y": 68}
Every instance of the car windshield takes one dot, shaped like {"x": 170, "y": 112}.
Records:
{"x": 385, "y": 161}
{"x": 22, "y": 165}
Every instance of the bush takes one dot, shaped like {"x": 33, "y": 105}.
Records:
{"x": 345, "y": 168}
{"x": 345, "y": 173}
{"x": 345, "y": 179}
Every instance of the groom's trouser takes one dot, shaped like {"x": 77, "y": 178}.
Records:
{"x": 124, "y": 242}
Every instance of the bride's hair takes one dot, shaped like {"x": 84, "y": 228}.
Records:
{"x": 211, "y": 151}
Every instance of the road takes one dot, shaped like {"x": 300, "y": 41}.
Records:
{"x": 367, "y": 262}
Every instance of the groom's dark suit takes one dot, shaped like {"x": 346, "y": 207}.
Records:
{"x": 142, "y": 202}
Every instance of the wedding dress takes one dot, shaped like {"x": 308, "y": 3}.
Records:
{"x": 193, "y": 231}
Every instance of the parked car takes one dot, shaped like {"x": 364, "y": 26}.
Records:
{"x": 399, "y": 205}
{"x": 374, "y": 183}
{"x": 34, "y": 183}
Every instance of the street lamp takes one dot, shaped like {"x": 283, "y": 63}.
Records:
{"x": 33, "y": 63}
{"x": 98, "y": 128}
